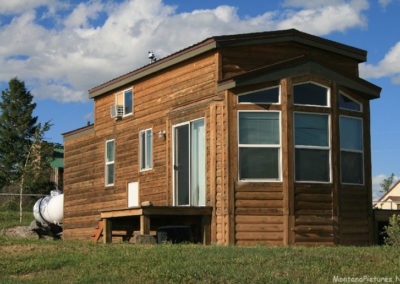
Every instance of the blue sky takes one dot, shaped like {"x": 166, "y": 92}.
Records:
{"x": 63, "y": 48}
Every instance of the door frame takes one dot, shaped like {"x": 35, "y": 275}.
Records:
{"x": 188, "y": 122}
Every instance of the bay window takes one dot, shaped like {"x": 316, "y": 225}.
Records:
{"x": 351, "y": 150}
{"x": 312, "y": 147}
{"x": 259, "y": 145}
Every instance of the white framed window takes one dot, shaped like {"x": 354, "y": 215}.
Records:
{"x": 269, "y": 95}
{"x": 311, "y": 94}
{"x": 125, "y": 99}
{"x": 259, "y": 145}
{"x": 348, "y": 103}
{"x": 109, "y": 162}
{"x": 146, "y": 149}
{"x": 312, "y": 147}
{"x": 351, "y": 150}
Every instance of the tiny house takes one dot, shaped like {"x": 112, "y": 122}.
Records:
{"x": 260, "y": 138}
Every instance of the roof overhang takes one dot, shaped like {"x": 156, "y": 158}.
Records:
{"x": 212, "y": 43}
{"x": 297, "y": 67}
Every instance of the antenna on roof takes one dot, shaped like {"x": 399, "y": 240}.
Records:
{"x": 152, "y": 56}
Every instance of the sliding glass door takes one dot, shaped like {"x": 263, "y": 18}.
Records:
{"x": 189, "y": 163}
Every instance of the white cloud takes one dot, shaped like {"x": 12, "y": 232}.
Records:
{"x": 85, "y": 50}
{"x": 20, "y": 6}
{"x": 388, "y": 66}
{"x": 323, "y": 16}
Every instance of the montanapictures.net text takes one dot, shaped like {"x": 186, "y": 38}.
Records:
{"x": 366, "y": 279}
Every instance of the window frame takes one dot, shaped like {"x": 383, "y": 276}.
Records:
{"x": 259, "y": 90}
{"x": 325, "y": 148}
{"x": 272, "y": 146}
{"x": 328, "y": 94}
{"x": 107, "y": 163}
{"x": 146, "y": 166}
{"x": 353, "y": 151}
{"x": 351, "y": 98}
{"x": 122, "y": 93}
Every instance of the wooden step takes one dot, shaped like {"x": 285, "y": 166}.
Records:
{"x": 99, "y": 232}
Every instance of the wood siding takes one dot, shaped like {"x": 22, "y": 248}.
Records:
{"x": 180, "y": 94}
{"x": 238, "y": 60}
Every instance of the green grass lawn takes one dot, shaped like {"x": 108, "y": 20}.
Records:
{"x": 83, "y": 262}
{"x": 11, "y": 218}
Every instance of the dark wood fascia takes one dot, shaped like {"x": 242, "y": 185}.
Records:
{"x": 295, "y": 68}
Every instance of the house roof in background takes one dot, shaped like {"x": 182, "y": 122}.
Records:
{"x": 58, "y": 158}
{"x": 387, "y": 194}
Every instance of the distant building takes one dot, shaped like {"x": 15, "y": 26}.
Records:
{"x": 391, "y": 199}
{"x": 57, "y": 165}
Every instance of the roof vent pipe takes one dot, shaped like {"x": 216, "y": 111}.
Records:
{"x": 152, "y": 56}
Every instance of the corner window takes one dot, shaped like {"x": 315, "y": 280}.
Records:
{"x": 351, "y": 150}
{"x": 310, "y": 94}
{"x": 346, "y": 102}
{"x": 312, "y": 147}
{"x": 125, "y": 99}
{"x": 259, "y": 145}
{"x": 146, "y": 155}
{"x": 109, "y": 161}
{"x": 264, "y": 96}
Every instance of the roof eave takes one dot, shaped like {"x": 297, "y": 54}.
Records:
{"x": 152, "y": 68}
{"x": 296, "y": 67}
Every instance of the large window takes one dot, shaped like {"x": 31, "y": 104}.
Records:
{"x": 146, "y": 155}
{"x": 110, "y": 160}
{"x": 351, "y": 150}
{"x": 312, "y": 147}
{"x": 263, "y": 96}
{"x": 125, "y": 99}
{"x": 259, "y": 145}
{"x": 310, "y": 94}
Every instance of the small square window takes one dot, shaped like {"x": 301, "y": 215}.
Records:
{"x": 310, "y": 94}
{"x": 345, "y": 102}
{"x": 125, "y": 99}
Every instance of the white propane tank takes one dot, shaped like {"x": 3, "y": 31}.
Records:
{"x": 50, "y": 209}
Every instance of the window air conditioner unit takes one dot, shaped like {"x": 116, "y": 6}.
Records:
{"x": 116, "y": 111}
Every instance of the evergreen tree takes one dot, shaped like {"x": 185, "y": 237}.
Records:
{"x": 387, "y": 183}
{"x": 17, "y": 127}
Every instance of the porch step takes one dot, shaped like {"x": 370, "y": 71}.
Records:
{"x": 99, "y": 232}
{"x": 124, "y": 234}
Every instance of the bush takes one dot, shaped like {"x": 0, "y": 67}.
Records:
{"x": 393, "y": 231}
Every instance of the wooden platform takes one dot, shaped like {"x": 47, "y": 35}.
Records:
{"x": 200, "y": 216}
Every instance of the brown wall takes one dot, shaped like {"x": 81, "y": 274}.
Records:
{"x": 174, "y": 96}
